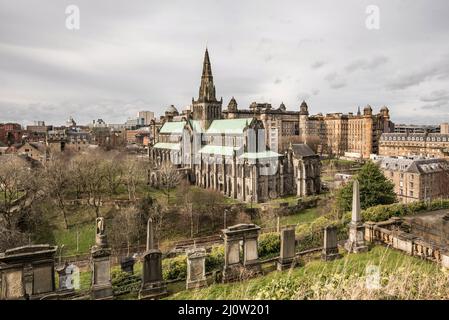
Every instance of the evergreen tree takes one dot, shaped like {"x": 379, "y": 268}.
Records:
{"x": 375, "y": 189}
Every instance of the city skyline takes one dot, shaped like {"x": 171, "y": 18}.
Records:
{"x": 148, "y": 56}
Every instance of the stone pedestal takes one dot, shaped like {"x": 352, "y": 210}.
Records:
{"x": 27, "y": 272}
{"x": 234, "y": 269}
{"x": 356, "y": 241}
{"x": 153, "y": 285}
{"x": 196, "y": 269}
{"x": 287, "y": 254}
{"x": 330, "y": 245}
{"x": 101, "y": 288}
{"x": 66, "y": 274}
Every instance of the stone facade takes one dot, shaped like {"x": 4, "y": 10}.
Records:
{"x": 101, "y": 287}
{"x": 232, "y": 155}
{"x": 196, "y": 268}
{"x": 435, "y": 145}
{"x": 288, "y": 252}
{"x": 396, "y": 233}
{"x": 416, "y": 178}
{"x": 234, "y": 267}
{"x": 333, "y": 134}
{"x": 27, "y": 272}
{"x": 330, "y": 246}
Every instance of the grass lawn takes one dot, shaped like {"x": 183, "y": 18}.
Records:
{"x": 304, "y": 216}
{"x": 318, "y": 276}
{"x": 68, "y": 238}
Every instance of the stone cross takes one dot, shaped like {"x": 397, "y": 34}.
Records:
{"x": 356, "y": 217}
{"x": 150, "y": 236}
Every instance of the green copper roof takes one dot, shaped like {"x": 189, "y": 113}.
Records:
{"x": 260, "y": 155}
{"x": 173, "y": 127}
{"x": 167, "y": 145}
{"x": 230, "y": 126}
{"x": 221, "y": 150}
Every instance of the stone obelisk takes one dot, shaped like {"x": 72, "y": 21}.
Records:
{"x": 153, "y": 285}
{"x": 356, "y": 241}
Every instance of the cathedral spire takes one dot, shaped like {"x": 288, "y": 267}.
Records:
{"x": 207, "y": 88}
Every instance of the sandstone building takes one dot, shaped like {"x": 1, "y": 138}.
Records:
{"x": 434, "y": 145}
{"x": 417, "y": 179}
{"x": 334, "y": 134}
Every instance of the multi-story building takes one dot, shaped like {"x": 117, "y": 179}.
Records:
{"x": 145, "y": 117}
{"x": 414, "y": 128}
{"x": 231, "y": 155}
{"x": 417, "y": 178}
{"x": 11, "y": 133}
{"x": 355, "y": 136}
{"x": 435, "y": 145}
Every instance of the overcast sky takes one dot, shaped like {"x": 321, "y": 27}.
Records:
{"x": 145, "y": 55}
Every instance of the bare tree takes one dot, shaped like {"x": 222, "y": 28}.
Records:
{"x": 57, "y": 183}
{"x": 19, "y": 188}
{"x": 134, "y": 174}
{"x": 125, "y": 228}
{"x": 114, "y": 172}
{"x": 169, "y": 178}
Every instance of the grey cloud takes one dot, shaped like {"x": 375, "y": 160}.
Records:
{"x": 151, "y": 51}
{"x": 318, "y": 64}
{"x": 437, "y": 70}
{"x": 363, "y": 64}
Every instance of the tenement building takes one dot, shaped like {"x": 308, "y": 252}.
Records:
{"x": 336, "y": 134}
{"x": 232, "y": 155}
{"x": 434, "y": 145}
{"x": 417, "y": 178}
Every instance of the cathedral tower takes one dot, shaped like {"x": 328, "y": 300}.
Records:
{"x": 207, "y": 108}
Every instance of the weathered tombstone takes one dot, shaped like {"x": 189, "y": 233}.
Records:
{"x": 356, "y": 241}
{"x": 27, "y": 272}
{"x": 196, "y": 268}
{"x": 68, "y": 278}
{"x": 330, "y": 246}
{"x": 287, "y": 255}
{"x": 153, "y": 285}
{"x": 250, "y": 266}
{"x": 127, "y": 264}
{"x": 101, "y": 288}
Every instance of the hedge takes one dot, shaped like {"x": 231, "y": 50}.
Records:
{"x": 269, "y": 244}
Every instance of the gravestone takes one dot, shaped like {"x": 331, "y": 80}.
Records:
{"x": 234, "y": 268}
{"x": 330, "y": 246}
{"x": 27, "y": 272}
{"x": 287, "y": 255}
{"x": 153, "y": 284}
{"x": 127, "y": 264}
{"x": 101, "y": 288}
{"x": 356, "y": 241}
{"x": 196, "y": 268}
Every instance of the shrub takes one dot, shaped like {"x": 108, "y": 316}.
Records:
{"x": 215, "y": 259}
{"x": 174, "y": 268}
{"x": 124, "y": 282}
{"x": 269, "y": 244}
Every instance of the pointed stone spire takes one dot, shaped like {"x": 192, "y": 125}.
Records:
{"x": 150, "y": 238}
{"x": 359, "y": 113}
{"x": 207, "y": 88}
{"x": 356, "y": 217}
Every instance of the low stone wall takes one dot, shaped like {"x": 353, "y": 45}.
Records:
{"x": 389, "y": 233}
